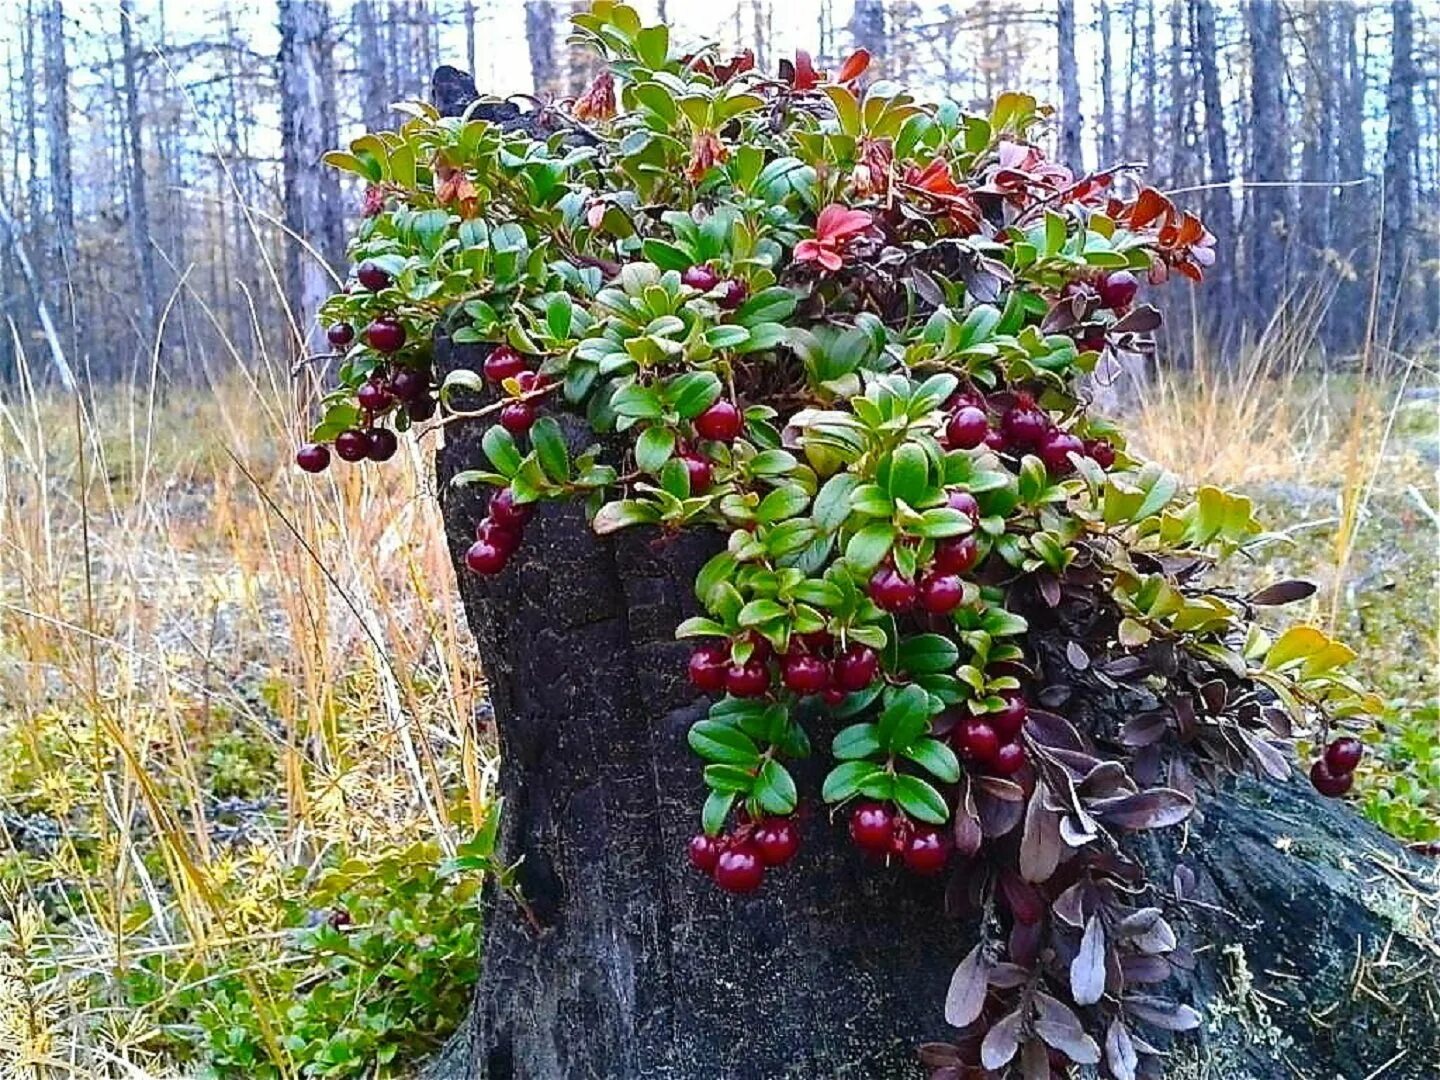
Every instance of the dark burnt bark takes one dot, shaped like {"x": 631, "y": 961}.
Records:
{"x": 631, "y": 965}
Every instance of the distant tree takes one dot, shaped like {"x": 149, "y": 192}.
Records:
{"x": 57, "y": 137}
{"x": 1219, "y": 204}
{"x": 140, "y": 234}
{"x": 540, "y": 40}
{"x": 1401, "y": 149}
{"x": 1070, "y": 149}
{"x": 1267, "y": 218}
{"x": 868, "y": 31}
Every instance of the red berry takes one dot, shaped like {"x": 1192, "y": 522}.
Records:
{"x": 699, "y": 470}
{"x": 422, "y": 408}
{"x": 313, "y": 457}
{"x": 531, "y": 380}
{"x": 804, "y": 674}
{"x": 373, "y": 397}
{"x": 941, "y": 593}
{"x": 499, "y": 536}
{"x": 926, "y": 852}
{"x": 517, "y": 417}
{"x": 700, "y": 277}
{"x": 1009, "y": 759}
{"x": 996, "y": 441}
{"x": 383, "y": 444}
{"x": 1329, "y": 783}
{"x": 503, "y": 363}
{"x": 871, "y": 827}
{"x": 1343, "y": 755}
{"x": 340, "y": 335}
{"x": 352, "y": 445}
{"x": 485, "y": 557}
{"x": 956, "y": 554}
{"x": 1092, "y": 340}
{"x": 891, "y": 591}
{"x": 409, "y": 384}
{"x": 815, "y": 642}
{"x": 720, "y": 421}
{"x": 1100, "y": 452}
{"x": 704, "y": 852}
{"x": 732, "y": 294}
{"x": 707, "y": 668}
{"x": 1055, "y": 451}
{"x": 385, "y": 335}
{"x": 372, "y": 277}
{"x": 967, "y": 428}
{"x": 751, "y": 679}
{"x": 777, "y": 840}
{"x": 963, "y": 501}
{"x": 976, "y": 740}
{"x": 760, "y": 647}
{"x": 739, "y": 869}
{"x": 856, "y": 668}
{"x": 1009, "y": 720}
{"x": 1118, "y": 289}
{"x": 832, "y": 696}
{"x": 507, "y": 513}
{"x": 1024, "y": 423}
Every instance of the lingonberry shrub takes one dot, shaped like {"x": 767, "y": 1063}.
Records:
{"x": 848, "y": 331}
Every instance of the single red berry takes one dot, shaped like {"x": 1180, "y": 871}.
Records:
{"x": 926, "y": 852}
{"x": 956, "y": 554}
{"x": 484, "y": 557}
{"x": 832, "y": 696}
{"x": 700, "y": 474}
{"x": 707, "y": 668}
{"x": 503, "y": 363}
{"x": 804, "y": 674}
{"x": 815, "y": 642}
{"x": 956, "y": 499}
{"x": 1330, "y": 783}
{"x": 1009, "y": 759}
{"x": 967, "y": 428}
{"x": 385, "y": 335}
{"x": 352, "y": 445}
{"x": 1118, "y": 289}
{"x": 372, "y": 277}
{"x": 373, "y": 397}
{"x": 856, "y": 668}
{"x": 383, "y": 444}
{"x": 777, "y": 840}
{"x": 1009, "y": 720}
{"x": 720, "y": 421}
{"x": 996, "y": 441}
{"x": 1343, "y": 755}
{"x": 891, "y": 591}
{"x": 941, "y": 593}
{"x": 732, "y": 294}
{"x": 313, "y": 457}
{"x": 1100, "y": 452}
{"x": 505, "y": 511}
{"x": 1056, "y": 449}
{"x": 531, "y": 380}
{"x": 409, "y": 384}
{"x": 700, "y": 277}
{"x": 517, "y": 417}
{"x": 739, "y": 869}
{"x": 872, "y": 825}
{"x": 340, "y": 335}
{"x": 422, "y": 408}
{"x": 704, "y": 852}
{"x": 976, "y": 740}
{"x": 747, "y": 680}
{"x": 500, "y": 536}
{"x": 1092, "y": 340}
{"x": 1024, "y": 423}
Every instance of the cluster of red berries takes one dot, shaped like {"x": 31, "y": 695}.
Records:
{"x": 1023, "y": 427}
{"x": 392, "y": 387}
{"x": 730, "y": 293}
{"x": 991, "y": 740}
{"x": 1334, "y": 771}
{"x": 737, "y": 861}
{"x": 499, "y": 533}
{"x": 810, "y": 666}
{"x": 878, "y": 831}
{"x": 940, "y": 589}
{"x": 1115, "y": 291}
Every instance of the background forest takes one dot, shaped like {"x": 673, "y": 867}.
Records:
{"x": 245, "y": 762}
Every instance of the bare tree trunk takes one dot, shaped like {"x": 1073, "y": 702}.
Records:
{"x": 469, "y": 13}
{"x": 370, "y": 52}
{"x": 1070, "y": 148}
{"x": 1107, "y": 90}
{"x": 1148, "y": 115}
{"x": 1219, "y": 202}
{"x": 540, "y": 39}
{"x": 308, "y": 129}
{"x": 139, "y": 198}
{"x": 868, "y": 31}
{"x": 57, "y": 139}
{"x": 1269, "y": 160}
{"x": 1398, "y": 247}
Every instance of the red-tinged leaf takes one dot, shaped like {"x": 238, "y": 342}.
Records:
{"x": 1024, "y": 900}
{"x": 1087, "y": 970}
{"x": 1137, "y": 922}
{"x": 999, "y": 788}
{"x": 1144, "y": 969}
{"x": 1025, "y": 941}
{"x": 1040, "y": 845}
{"x": 967, "y": 831}
{"x": 937, "y": 1055}
{"x": 1145, "y": 729}
{"x": 1001, "y": 1042}
{"x": 1120, "y": 1052}
{"x": 1282, "y": 592}
{"x": 1158, "y": 808}
{"x": 1140, "y": 320}
{"x": 1048, "y": 729}
{"x": 1058, "y": 1025}
{"x": 1157, "y": 939}
{"x": 998, "y": 817}
{"x": 802, "y": 75}
{"x": 965, "y": 1000}
{"x": 854, "y": 66}
{"x": 1070, "y": 906}
{"x": 1034, "y": 1061}
{"x": 1270, "y": 760}
{"x": 1167, "y": 1015}
{"x": 1149, "y": 205}
{"x": 1008, "y": 976}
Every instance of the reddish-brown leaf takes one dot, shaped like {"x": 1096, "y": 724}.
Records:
{"x": 965, "y": 999}
{"x": 1087, "y": 970}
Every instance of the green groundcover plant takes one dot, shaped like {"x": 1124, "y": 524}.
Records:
{"x": 851, "y": 332}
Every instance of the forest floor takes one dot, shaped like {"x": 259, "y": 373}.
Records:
{"x": 240, "y": 778}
